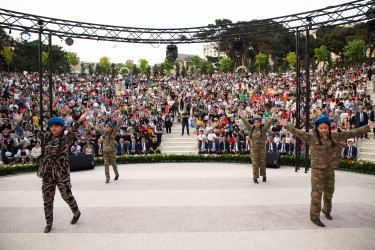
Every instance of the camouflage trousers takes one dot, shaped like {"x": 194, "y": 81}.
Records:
{"x": 48, "y": 189}
{"x": 258, "y": 160}
{"x": 322, "y": 181}
{"x": 110, "y": 157}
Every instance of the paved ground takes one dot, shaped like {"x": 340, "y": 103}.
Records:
{"x": 188, "y": 206}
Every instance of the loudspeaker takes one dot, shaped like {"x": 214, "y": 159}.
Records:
{"x": 81, "y": 162}
{"x": 273, "y": 159}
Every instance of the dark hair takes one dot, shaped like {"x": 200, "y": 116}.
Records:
{"x": 329, "y": 134}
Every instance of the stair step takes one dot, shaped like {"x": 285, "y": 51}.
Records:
{"x": 366, "y": 149}
{"x": 366, "y": 153}
{"x": 191, "y": 144}
{"x": 367, "y": 159}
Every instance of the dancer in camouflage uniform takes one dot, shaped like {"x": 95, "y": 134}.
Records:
{"x": 109, "y": 147}
{"x": 258, "y": 145}
{"x": 54, "y": 167}
{"x": 325, "y": 154}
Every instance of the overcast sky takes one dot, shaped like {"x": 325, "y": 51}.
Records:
{"x": 154, "y": 14}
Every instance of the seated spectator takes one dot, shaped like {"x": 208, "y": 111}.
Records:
{"x": 99, "y": 148}
{"x": 292, "y": 148}
{"x": 201, "y": 135}
{"x": 224, "y": 146}
{"x": 23, "y": 154}
{"x": 246, "y": 146}
{"x": 283, "y": 147}
{"x": 7, "y": 155}
{"x": 143, "y": 147}
{"x": 214, "y": 147}
{"x": 270, "y": 145}
{"x": 154, "y": 146}
{"x": 350, "y": 152}
{"x": 122, "y": 147}
{"x": 203, "y": 147}
{"x": 235, "y": 147}
{"x": 77, "y": 148}
{"x": 88, "y": 149}
{"x": 133, "y": 147}
{"x": 36, "y": 152}
{"x": 211, "y": 135}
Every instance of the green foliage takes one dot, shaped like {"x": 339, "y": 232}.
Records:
{"x": 135, "y": 69}
{"x": 168, "y": 66}
{"x": 226, "y": 64}
{"x": 355, "y": 50}
{"x": 143, "y": 63}
{"x": 291, "y": 58}
{"x": 322, "y": 54}
{"x": 44, "y": 58}
{"x": 8, "y": 54}
{"x": 104, "y": 64}
{"x": 83, "y": 68}
{"x": 90, "y": 68}
{"x": 155, "y": 70}
{"x": 177, "y": 69}
{"x": 162, "y": 69}
{"x": 148, "y": 71}
{"x": 72, "y": 58}
{"x": 183, "y": 70}
{"x": 260, "y": 59}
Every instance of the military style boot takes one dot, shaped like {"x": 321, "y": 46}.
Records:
{"x": 318, "y": 223}
{"x": 256, "y": 181}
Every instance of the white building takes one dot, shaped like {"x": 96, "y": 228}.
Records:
{"x": 211, "y": 49}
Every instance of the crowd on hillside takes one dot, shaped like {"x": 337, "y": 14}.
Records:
{"x": 207, "y": 104}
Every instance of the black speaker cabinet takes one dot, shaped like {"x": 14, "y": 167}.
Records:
{"x": 273, "y": 159}
{"x": 81, "y": 162}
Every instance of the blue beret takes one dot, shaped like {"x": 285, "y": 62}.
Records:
{"x": 321, "y": 119}
{"x": 111, "y": 124}
{"x": 257, "y": 119}
{"x": 56, "y": 120}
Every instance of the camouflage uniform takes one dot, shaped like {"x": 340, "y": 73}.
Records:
{"x": 55, "y": 169}
{"x": 109, "y": 149}
{"x": 258, "y": 148}
{"x": 324, "y": 160}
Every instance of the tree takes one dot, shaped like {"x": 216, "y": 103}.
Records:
{"x": 322, "y": 54}
{"x": 135, "y": 69}
{"x": 155, "y": 70}
{"x": 83, "y": 68}
{"x": 143, "y": 65}
{"x": 148, "y": 71}
{"x": 291, "y": 58}
{"x": 355, "y": 51}
{"x": 226, "y": 64}
{"x": 162, "y": 69}
{"x": 183, "y": 70}
{"x": 260, "y": 59}
{"x": 177, "y": 70}
{"x": 105, "y": 64}
{"x": 168, "y": 66}
{"x": 90, "y": 68}
{"x": 197, "y": 62}
{"x": 72, "y": 58}
{"x": 8, "y": 54}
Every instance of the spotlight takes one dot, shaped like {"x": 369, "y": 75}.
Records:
{"x": 25, "y": 35}
{"x": 371, "y": 29}
{"x": 277, "y": 38}
{"x": 171, "y": 53}
{"x": 237, "y": 48}
{"x": 182, "y": 37}
{"x": 10, "y": 31}
{"x": 69, "y": 41}
{"x": 320, "y": 31}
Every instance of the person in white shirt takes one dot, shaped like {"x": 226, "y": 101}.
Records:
{"x": 211, "y": 135}
{"x": 23, "y": 154}
{"x": 36, "y": 152}
{"x": 201, "y": 135}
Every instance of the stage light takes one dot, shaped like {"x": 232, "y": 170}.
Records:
{"x": 172, "y": 53}
{"x": 69, "y": 41}
{"x": 277, "y": 38}
{"x": 25, "y": 35}
{"x": 320, "y": 31}
{"x": 237, "y": 48}
{"x": 10, "y": 31}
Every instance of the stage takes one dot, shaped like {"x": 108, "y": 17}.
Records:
{"x": 188, "y": 206}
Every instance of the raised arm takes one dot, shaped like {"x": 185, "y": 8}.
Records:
{"x": 27, "y": 126}
{"x": 269, "y": 123}
{"x": 307, "y": 137}
{"x": 355, "y": 132}
{"x": 245, "y": 122}
{"x": 72, "y": 132}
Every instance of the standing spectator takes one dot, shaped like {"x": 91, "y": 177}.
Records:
{"x": 168, "y": 124}
{"x": 185, "y": 122}
{"x": 361, "y": 120}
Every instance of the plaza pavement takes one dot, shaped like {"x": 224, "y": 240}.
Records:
{"x": 188, "y": 206}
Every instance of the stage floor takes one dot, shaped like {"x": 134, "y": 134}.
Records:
{"x": 188, "y": 206}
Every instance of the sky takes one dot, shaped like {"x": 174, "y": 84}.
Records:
{"x": 153, "y": 14}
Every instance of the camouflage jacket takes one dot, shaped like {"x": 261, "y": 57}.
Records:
{"x": 54, "y": 158}
{"x": 258, "y": 138}
{"x": 325, "y": 156}
{"x": 109, "y": 143}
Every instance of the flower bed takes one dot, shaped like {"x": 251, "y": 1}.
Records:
{"x": 357, "y": 166}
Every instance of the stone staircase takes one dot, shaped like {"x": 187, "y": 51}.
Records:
{"x": 175, "y": 143}
{"x": 366, "y": 148}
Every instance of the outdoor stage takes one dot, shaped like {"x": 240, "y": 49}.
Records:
{"x": 188, "y": 206}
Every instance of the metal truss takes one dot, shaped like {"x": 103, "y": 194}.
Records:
{"x": 350, "y": 12}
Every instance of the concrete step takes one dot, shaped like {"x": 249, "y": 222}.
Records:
{"x": 181, "y": 152}
{"x": 367, "y": 149}
{"x": 366, "y": 155}
{"x": 178, "y": 147}
{"x": 368, "y": 143}
{"x": 179, "y": 143}
{"x": 367, "y": 159}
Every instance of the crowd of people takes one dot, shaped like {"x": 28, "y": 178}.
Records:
{"x": 209, "y": 105}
